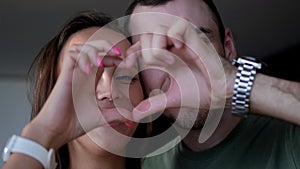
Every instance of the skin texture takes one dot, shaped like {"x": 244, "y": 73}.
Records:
{"x": 188, "y": 10}
{"x": 267, "y": 91}
{"x": 57, "y": 123}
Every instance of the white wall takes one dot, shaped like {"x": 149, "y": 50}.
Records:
{"x": 14, "y": 109}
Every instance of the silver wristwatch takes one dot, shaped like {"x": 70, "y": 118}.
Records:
{"x": 247, "y": 67}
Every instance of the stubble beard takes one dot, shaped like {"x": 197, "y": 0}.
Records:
{"x": 187, "y": 120}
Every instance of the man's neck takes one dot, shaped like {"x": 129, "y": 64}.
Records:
{"x": 226, "y": 125}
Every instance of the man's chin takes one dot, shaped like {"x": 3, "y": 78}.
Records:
{"x": 185, "y": 124}
{"x": 188, "y": 119}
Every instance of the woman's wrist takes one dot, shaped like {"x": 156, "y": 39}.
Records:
{"x": 40, "y": 134}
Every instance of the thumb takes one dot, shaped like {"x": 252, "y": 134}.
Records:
{"x": 152, "y": 105}
{"x": 156, "y": 103}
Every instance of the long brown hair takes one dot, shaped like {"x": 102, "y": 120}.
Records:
{"x": 43, "y": 70}
{"x": 42, "y": 74}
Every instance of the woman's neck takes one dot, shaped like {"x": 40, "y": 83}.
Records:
{"x": 81, "y": 157}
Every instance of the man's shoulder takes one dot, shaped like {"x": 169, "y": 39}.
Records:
{"x": 163, "y": 158}
{"x": 257, "y": 141}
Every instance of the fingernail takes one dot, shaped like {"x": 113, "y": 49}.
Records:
{"x": 99, "y": 61}
{"x": 138, "y": 116}
{"x": 177, "y": 45}
{"x": 144, "y": 107}
{"x": 117, "y": 50}
{"x": 87, "y": 69}
{"x": 129, "y": 124}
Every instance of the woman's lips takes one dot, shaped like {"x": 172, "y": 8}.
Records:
{"x": 115, "y": 124}
{"x": 114, "y": 114}
{"x": 117, "y": 117}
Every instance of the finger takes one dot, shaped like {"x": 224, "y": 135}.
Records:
{"x": 105, "y": 47}
{"x": 81, "y": 60}
{"x": 159, "y": 43}
{"x": 146, "y": 44}
{"x": 131, "y": 55}
{"x": 177, "y": 32}
{"x": 110, "y": 61}
{"x": 150, "y": 106}
{"x": 92, "y": 53}
{"x": 95, "y": 53}
{"x": 159, "y": 39}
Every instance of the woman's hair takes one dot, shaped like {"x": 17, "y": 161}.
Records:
{"x": 43, "y": 73}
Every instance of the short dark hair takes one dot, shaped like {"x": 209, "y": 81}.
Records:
{"x": 215, "y": 13}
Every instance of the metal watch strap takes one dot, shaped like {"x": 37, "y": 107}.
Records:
{"x": 245, "y": 75}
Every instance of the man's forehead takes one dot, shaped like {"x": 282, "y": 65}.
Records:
{"x": 149, "y": 22}
{"x": 148, "y": 18}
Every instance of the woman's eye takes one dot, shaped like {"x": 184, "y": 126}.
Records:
{"x": 126, "y": 79}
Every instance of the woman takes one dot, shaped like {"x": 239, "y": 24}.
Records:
{"x": 69, "y": 55}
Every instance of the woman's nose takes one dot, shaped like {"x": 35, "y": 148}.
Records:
{"x": 104, "y": 96}
{"x": 103, "y": 90}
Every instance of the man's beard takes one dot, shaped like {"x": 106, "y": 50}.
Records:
{"x": 188, "y": 119}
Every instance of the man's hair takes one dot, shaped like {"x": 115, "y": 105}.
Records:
{"x": 215, "y": 14}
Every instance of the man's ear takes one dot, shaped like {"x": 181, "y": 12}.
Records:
{"x": 230, "y": 50}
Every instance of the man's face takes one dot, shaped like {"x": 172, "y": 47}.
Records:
{"x": 198, "y": 13}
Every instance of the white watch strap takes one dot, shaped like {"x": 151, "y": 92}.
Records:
{"x": 28, "y": 147}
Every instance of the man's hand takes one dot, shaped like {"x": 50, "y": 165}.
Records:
{"x": 196, "y": 70}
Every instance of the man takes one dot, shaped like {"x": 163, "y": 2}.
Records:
{"x": 268, "y": 138}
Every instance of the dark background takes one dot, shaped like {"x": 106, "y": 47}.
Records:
{"x": 266, "y": 29}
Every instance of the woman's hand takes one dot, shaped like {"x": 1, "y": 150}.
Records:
{"x": 58, "y": 123}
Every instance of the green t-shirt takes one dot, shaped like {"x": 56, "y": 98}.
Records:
{"x": 256, "y": 143}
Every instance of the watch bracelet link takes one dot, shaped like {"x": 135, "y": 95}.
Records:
{"x": 242, "y": 88}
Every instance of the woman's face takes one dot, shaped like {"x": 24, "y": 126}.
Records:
{"x": 117, "y": 90}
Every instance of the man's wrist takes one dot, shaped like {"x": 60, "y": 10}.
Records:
{"x": 259, "y": 99}
{"x": 245, "y": 76}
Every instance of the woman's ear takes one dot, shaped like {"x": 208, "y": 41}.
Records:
{"x": 230, "y": 50}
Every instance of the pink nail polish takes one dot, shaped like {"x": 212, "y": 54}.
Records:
{"x": 117, "y": 50}
{"x": 87, "y": 69}
{"x": 129, "y": 124}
